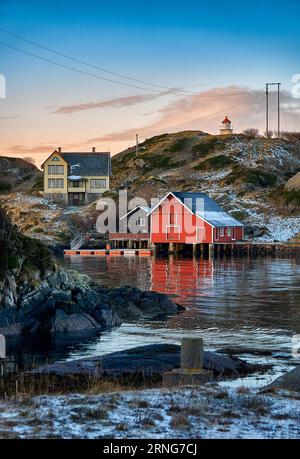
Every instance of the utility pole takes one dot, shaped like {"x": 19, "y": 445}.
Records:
{"x": 136, "y": 144}
{"x": 278, "y": 107}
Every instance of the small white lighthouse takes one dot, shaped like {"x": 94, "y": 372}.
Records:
{"x": 226, "y": 127}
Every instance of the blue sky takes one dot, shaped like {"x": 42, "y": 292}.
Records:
{"x": 195, "y": 45}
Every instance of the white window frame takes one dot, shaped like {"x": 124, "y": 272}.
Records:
{"x": 217, "y": 234}
{"x": 141, "y": 221}
{"x": 203, "y": 233}
{"x": 222, "y": 232}
{"x": 228, "y": 231}
{"x": 175, "y": 232}
{"x": 93, "y": 187}
{"x": 55, "y": 183}
{"x": 52, "y": 168}
{"x": 233, "y": 233}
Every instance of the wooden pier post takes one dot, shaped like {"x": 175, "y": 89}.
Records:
{"x": 211, "y": 250}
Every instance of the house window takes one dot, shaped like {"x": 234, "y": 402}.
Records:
{"x": 98, "y": 183}
{"x": 55, "y": 158}
{"x": 140, "y": 221}
{"x": 55, "y": 183}
{"x": 76, "y": 184}
{"x": 228, "y": 231}
{"x": 221, "y": 232}
{"x": 56, "y": 170}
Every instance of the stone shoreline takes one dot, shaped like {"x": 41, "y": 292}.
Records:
{"x": 66, "y": 301}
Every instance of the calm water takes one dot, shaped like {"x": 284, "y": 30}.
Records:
{"x": 252, "y": 306}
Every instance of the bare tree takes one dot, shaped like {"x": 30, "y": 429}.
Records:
{"x": 251, "y": 133}
{"x": 29, "y": 159}
{"x": 290, "y": 136}
{"x": 268, "y": 134}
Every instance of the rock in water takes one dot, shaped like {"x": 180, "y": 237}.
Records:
{"x": 67, "y": 301}
{"x": 148, "y": 362}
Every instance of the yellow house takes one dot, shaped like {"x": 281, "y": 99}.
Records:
{"x": 76, "y": 178}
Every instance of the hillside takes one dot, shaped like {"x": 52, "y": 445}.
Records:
{"x": 244, "y": 175}
{"x": 17, "y": 174}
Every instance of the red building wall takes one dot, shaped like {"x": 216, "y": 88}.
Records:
{"x": 181, "y": 229}
{"x": 172, "y": 222}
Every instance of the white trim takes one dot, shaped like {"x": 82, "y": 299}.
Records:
{"x": 179, "y": 200}
{"x": 132, "y": 210}
{"x": 172, "y": 226}
{"x": 217, "y": 234}
{"x": 204, "y": 233}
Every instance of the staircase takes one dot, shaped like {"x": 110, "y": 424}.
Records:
{"x": 77, "y": 242}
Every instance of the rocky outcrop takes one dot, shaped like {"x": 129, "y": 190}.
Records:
{"x": 66, "y": 301}
{"x": 148, "y": 362}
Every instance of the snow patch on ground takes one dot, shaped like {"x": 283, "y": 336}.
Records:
{"x": 205, "y": 412}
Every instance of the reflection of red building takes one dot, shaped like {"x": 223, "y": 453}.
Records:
{"x": 192, "y": 218}
{"x": 173, "y": 276}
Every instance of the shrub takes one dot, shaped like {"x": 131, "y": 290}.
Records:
{"x": 216, "y": 162}
{"x": 178, "y": 145}
{"x": 251, "y": 133}
{"x": 257, "y": 177}
{"x": 206, "y": 146}
{"x": 38, "y": 184}
{"x": 5, "y": 187}
{"x": 292, "y": 197}
{"x": 158, "y": 161}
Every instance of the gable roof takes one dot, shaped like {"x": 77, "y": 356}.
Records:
{"x": 88, "y": 164}
{"x": 145, "y": 209}
{"x": 206, "y": 208}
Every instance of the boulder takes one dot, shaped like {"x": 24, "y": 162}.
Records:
{"x": 288, "y": 381}
{"x": 64, "y": 323}
{"x": 67, "y": 301}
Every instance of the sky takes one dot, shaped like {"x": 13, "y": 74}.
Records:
{"x": 175, "y": 65}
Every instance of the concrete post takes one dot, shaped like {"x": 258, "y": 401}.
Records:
{"x": 191, "y": 370}
{"x": 191, "y": 354}
{"x": 2, "y": 347}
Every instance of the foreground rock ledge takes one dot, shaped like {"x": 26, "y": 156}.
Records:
{"x": 143, "y": 362}
{"x": 67, "y": 301}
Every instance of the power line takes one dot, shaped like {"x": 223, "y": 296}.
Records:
{"x": 81, "y": 61}
{"x": 75, "y": 69}
{"x": 102, "y": 69}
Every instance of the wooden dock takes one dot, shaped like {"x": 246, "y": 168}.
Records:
{"x": 109, "y": 252}
{"x": 205, "y": 250}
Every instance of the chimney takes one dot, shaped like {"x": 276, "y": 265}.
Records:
{"x": 94, "y": 149}
{"x": 59, "y": 149}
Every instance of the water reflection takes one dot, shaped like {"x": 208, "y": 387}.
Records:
{"x": 241, "y": 303}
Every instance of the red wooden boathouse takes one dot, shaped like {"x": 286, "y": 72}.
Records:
{"x": 192, "y": 218}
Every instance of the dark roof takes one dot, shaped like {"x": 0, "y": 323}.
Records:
{"x": 88, "y": 164}
{"x": 202, "y": 205}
